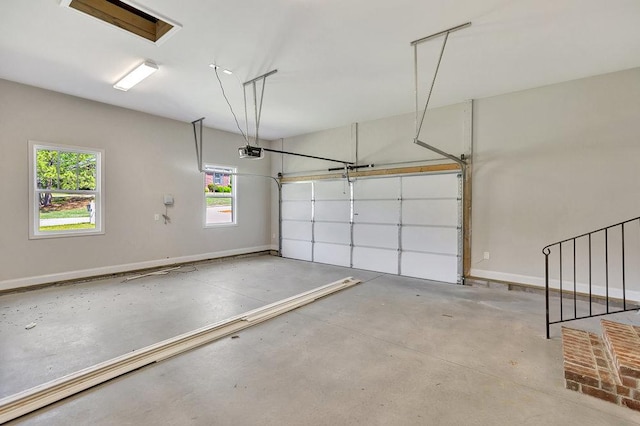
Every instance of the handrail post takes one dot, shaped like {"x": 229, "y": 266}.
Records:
{"x": 546, "y": 252}
{"x": 606, "y": 264}
{"x": 624, "y": 289}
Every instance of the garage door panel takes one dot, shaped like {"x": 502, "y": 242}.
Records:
{"x": 426, "y": 206}
{"x": 383, "y": 236}
{"x": 296, "y": 210}
{"x": 332, "y": 190}
{"x": 436, "y": 186}
{"x": 376, "y": 211}
{"x": 294, "y": 249}
{"x": 373, "y": 259}
{"x": 296, "y": 230}
{"x": 333, "y": 233}
{"x": 381, "y": 188}
{"x": 337, "y": 211}
{"x": 296, "y": 191}
{"x": 333, "y": 254}
{"x": 430, "y": 212}
{"x": 430, "y": 266}
{"x": 432, "y": 239}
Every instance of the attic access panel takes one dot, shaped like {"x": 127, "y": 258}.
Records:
{"x": 126, "y": 16}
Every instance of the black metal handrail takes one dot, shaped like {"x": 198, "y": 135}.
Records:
{"x": 573, "y": 291}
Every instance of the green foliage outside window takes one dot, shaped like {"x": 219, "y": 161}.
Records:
{"x": 62, "y": 170}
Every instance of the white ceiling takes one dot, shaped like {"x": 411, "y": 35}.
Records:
{"x": 338, "y": 62}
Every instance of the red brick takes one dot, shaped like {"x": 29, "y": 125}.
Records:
{"x": 602, "y": 362}
{"x": 578, "y": 345}
{"x": 634, "y": 354}
{"x": 569, "y": 360}
{"x": 572, "y": 385}
{"x": 577, "y": 357}
{"x": 605, "y": 374}
{"x": 573, "y": 331}
{"x": 624, "y": 346}
{"x": 625, "y": 350}
{"x": 634, "y": 405}
{"x": 612, "y": 324}
{"x": 626, "y": 340}
{"x": 581, "y": 371}
{"x": 608, "y": 386}
{"x": 631, "y": 359}
{"x": 629, "y": 382}
{"x": 629, "y": 372}
{"x": 629, "y": 362}
{"x": 574, "y": 353}
{"x": 599, "y": 393}
{"x": 623, "y": 390}
{"x": 587, "y": 380}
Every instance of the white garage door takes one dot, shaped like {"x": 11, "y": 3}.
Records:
{"x": 297, "y": 226}
{"x": 406, "y": 225}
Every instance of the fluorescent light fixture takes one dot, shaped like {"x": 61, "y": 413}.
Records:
{"x": 224, "y": 70}
{"x": 141, "y": 72}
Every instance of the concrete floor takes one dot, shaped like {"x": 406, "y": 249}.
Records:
{"x": 389, "y": 351}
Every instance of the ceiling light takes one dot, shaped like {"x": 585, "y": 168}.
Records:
{"x": 224, "y": 70}
{"x": 141, "y": 72}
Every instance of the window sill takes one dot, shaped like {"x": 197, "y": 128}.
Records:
{"x": 64, "y": 235}
{"x": 220, "y": 225}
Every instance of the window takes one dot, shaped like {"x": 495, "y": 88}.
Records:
{"x": 65, "y": 190}
{"x": 219, "y": 195}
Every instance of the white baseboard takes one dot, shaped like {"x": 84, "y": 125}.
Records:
{"x": 631, "y": 295}
{"x": 19, "y": 283}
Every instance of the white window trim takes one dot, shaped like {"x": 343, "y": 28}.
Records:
{"x": 209, "y": 168}
{"x": 34, "y": 207}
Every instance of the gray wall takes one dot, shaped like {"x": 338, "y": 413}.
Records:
{"x": 552, "y": 163}
{"x": 549, "y": 163}
{"x": 145, "y": 157}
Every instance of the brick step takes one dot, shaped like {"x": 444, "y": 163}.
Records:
{"x": 623, "y": 343}
{"x": 591, "y": 369}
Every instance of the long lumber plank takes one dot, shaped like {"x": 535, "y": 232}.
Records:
{"x": 40, "y": 396}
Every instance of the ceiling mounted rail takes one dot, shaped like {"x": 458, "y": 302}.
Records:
{"x": 419, "y": 124}
{"x": 197, "y": 134}
{"x": 450, "y": 30}
{"x": 257, "y": 152}
{"x": 257, "y": 106}
{"x": 308, "y": 156}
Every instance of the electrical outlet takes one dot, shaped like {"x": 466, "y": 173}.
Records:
{"x": 156, "y": 216}
{"x": 486, "y": 255}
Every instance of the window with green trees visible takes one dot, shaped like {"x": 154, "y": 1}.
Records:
{"x": 66, "y": 190}
{"x": 219, "y": 195}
